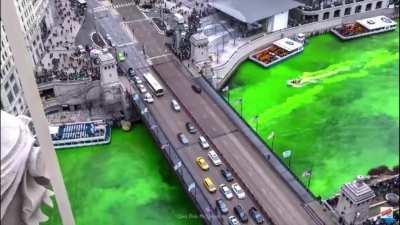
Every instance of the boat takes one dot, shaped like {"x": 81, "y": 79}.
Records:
{"x": 278, "y": 51}
{"x": 80, "y": 134}
{"x": 364, "y": 27}
{"x": 297, "y": 83}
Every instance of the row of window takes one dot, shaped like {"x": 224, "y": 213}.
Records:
{"x": 347, "y": 11}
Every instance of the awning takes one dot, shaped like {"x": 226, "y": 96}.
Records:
{"x": 251, "y": 11}
{"x": 376, "y": 22}
{"x": 288, "y": 44}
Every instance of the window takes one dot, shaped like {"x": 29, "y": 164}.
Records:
{"x": 325, "y": 16}
{"x": 368, "y": 7}
{"x": 10, "y": 97}
{"x": 378, "y": 5}
{"x": 6, "y": 86}
{"x": 336, "y": 13}
{"x": 12, "y": 77}
{"x": 347, "y": 11}
{"x": 16, "y": 89}
{"x": 358, "y": 9}
{"x": 15, "y": 109}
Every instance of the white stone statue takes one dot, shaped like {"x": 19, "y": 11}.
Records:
{"x": 21, "y": 162}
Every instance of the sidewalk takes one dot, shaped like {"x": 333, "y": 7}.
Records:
{"x": 60, "y": 43}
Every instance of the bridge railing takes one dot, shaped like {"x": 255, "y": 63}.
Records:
{"x": 191, "y": 187}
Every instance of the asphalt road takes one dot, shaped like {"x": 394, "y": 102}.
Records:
{"x": 272, "y": 193}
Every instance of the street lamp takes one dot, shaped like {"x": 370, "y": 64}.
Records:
{"x": 240, "y": 100}
{"x": 255, "y": 119}
{"x": 272, "y": 136}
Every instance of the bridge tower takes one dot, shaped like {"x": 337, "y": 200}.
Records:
{"x": 112, "y": 94}
{"x": 354, "y": 201}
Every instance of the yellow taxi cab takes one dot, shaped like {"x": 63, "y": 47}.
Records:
{"x": 208, "y": 183}
{"x": 202, "y": 163}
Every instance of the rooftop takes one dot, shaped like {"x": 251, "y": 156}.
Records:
{"x": 358, "y": 191}
{"x": 376, "y": 22}
{"x": 251, "y": 11}
{"x": 288, "y": 44}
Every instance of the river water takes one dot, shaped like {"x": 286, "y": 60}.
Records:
{"x": 341, "y": 126}
{"x": 126, "y": 182}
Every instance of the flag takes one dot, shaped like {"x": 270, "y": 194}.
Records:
{"x": 225, "y": 89}
{"x": 271, "y": 135}
{"x": 307, "y": 173}
{"x": 286, "y": 154}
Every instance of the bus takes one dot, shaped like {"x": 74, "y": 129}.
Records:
{"x": 154, "y": 85}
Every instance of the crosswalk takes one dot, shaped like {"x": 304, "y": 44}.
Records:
{"x": 114, "y": 6}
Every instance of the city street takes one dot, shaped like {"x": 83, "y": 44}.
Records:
{"x": 272, "y": 193}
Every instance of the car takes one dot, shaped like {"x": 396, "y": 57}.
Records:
{"x": 138, "y": 80}
{"x": 223, "y": 208}
{"x": 196, "y": 88}
{"x": 202, "y": 163}
{"x": 214, "y": 158}
{"x": 142, "y": 88}
{"x": 241, "y": 214}
{"x": 238, "y": 191}
{"x": 209, "y": 184}
{"x": 233, "y": 221}
{"x": 203, "y": 142}
{"x": 131, "y": 72}
{"x": 175, "y": 105}
{"x": 148, "y": 98}
{"x": 190, "y": 127}
{"x": 183, "y": 139}
{"x": 227, "y": 174}
{"x": 256, "y": 215}
{"x": 226, "y": 191}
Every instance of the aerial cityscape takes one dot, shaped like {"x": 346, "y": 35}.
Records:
{"x": 191, "y": 112}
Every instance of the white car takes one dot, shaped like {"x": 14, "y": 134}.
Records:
{"x": 226, "y": 191}
{"x": 175, "y": 105}
{"x": 233, "y": 221}
{"x": 203, "y": 142}
{"x": 148, "y": 98}
{"x": 138, "y": 80}
{"x": 238, "y": 191}
{"x": 142, "y": 88}
{"x": 214, "y": 158}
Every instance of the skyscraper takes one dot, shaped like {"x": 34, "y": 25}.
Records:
{"x": 35, "y": 18}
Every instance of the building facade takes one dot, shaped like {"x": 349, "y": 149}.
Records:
{"x": 36, "y": 19}
{"x": 12, "y": 100}
{"x": 320, "y": 10}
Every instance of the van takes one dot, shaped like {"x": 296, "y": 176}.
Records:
{"x": 203, "y": 142}
{"x": 209, "y": 184}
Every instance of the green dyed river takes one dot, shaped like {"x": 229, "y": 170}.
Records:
{"x": 126, "y": 182}
{"x": 341, "y": 126}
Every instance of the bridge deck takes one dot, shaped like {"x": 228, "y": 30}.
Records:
{"x": 273, "y": 194}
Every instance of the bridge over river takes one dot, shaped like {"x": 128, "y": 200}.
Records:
{"x": 268, "y": 184}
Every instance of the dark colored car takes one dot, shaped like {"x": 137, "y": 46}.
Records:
{"x": 183, "y": 139}
{"x": 256, "y": 215}
{"x": 241, "y": 214}
{"x": 223, "y": 208}
{"x": 227, "y": 174}
{"x": 196, "y": 88}
{"x": 131, "y": 72}
{"x": 191, "y": 128}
